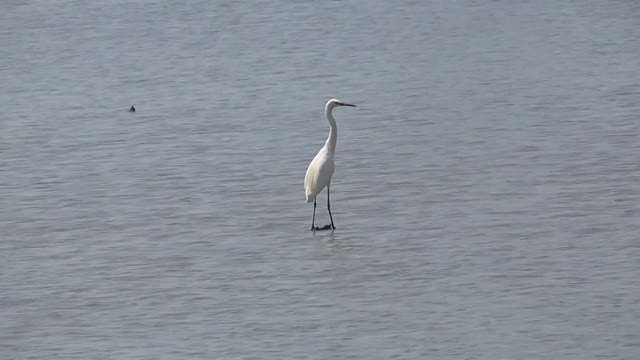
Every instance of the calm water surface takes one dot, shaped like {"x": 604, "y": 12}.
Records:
{"x": 487, "y": 190}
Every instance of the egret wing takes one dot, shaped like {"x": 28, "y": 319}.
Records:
{"x": 318, "y": 174}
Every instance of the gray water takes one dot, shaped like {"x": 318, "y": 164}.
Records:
{"x": 486, "y": 194}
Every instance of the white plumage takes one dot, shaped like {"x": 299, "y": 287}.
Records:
{"x": 321, "y": 168}
{"x": 319, "y": 174}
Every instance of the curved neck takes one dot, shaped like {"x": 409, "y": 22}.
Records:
{"x": 333, "y": 130}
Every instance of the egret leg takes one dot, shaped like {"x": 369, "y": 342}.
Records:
{"x": 313, "y": 220}
{"x": 329, "y": 208}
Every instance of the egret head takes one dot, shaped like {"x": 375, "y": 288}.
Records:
{"x": 333, "y": 103}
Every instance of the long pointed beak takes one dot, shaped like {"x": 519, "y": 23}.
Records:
{"x": 343, "y": 104}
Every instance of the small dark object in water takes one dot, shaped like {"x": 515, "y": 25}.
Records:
{"x": 326, "y": 227}
{"x": 132, "y": 109}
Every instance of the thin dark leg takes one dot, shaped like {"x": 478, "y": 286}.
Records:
{"x": 313, "y": 220}
{"x": 329, "y": 208}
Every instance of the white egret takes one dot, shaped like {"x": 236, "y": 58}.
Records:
{"x": 321, "y": 167}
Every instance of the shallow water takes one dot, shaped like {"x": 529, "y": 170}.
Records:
{"x": 486, "y": 190}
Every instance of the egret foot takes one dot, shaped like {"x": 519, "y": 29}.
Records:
{"x": 326, "y": 227}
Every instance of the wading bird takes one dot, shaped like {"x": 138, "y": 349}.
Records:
{"x": 321, "y": 167}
